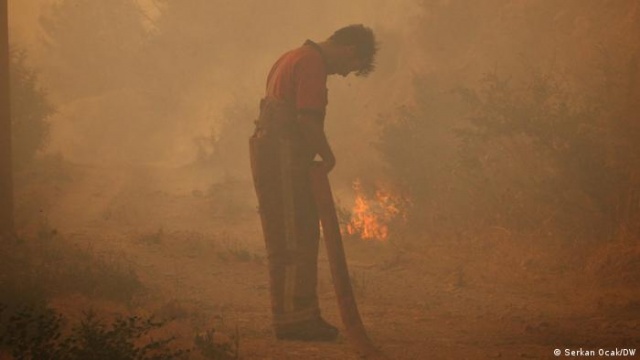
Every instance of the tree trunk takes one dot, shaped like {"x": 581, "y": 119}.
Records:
{"x": 6, "y": 174}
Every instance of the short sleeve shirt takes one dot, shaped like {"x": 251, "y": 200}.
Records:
{"x": 299, "y": 77}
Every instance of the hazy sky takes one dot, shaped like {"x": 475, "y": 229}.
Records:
{"x": 238, "y": 71}
{"x": 449, "y": 43}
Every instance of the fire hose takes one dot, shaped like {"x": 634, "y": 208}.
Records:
{"x": 355, "y": 331}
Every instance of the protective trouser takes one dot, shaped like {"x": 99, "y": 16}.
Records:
{"x": 280, "y": 163}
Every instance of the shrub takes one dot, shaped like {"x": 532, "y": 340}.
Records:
{"x": 216, "y": 346}
{"x": 32, "y": 333}
{"x": 533, "y": 154}
{"x": 38, "y": 268}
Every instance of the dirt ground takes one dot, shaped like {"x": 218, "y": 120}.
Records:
{"x": 199, "y": 253}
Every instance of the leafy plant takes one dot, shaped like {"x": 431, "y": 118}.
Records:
{"x": 215, "y": 347}
{"x": 533, "y": 154}
{"x": 31, "y": 333}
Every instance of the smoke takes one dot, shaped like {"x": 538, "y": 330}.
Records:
{"x": 140, "y": 81}
{"x": 131, "y": 93}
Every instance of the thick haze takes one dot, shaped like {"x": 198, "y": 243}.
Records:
{"x": 219, "y": 61}
{"x": 487, "y": 180}
{"x": 143, "y": 88}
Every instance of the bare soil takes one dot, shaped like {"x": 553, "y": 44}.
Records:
{"x": 199, "y": 253}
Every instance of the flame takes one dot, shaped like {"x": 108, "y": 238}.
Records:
{"x": 370, "y": 217}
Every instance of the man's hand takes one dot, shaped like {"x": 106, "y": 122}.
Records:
{"x": 313, "y": 133}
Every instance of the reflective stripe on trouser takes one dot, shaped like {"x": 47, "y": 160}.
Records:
{"x": 290, "y": 227}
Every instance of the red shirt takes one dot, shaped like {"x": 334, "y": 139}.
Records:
{"x": 299, "y": 77}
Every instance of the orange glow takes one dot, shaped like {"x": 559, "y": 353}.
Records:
{"x": 370, "y": 217}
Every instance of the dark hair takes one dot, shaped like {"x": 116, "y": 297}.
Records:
{"x": 364, "y": 41}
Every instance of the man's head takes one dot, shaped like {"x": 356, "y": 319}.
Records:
{"x": 352, "y": 49}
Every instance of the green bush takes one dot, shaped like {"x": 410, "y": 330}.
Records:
{"x": 548, "y": 158}
{"x": 38, "y": 333}
{"x": 534, "y": 154}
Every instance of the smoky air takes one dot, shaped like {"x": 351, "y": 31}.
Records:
{"x": 483, "y": 194}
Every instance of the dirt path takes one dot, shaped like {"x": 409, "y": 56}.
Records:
{"x": 491, "y": 297}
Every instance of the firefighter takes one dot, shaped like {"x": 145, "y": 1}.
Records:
{"x": 289, "y": 134}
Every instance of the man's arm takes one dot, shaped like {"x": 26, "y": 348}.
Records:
{"x": 313, "y": 132}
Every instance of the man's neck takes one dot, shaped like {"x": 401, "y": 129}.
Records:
{"x": 329, "y": 53}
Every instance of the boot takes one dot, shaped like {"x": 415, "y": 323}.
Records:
{"x": 310, "y": 330}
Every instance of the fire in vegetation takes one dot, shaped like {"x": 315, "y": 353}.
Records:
{"x": 372, "y": 214}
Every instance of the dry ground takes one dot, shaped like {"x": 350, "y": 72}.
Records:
{"x": 199, "y": 252}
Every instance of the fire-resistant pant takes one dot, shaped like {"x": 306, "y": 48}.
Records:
{"x": 280, "y": 166}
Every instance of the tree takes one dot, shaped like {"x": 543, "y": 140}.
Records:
{"x": 30, "y": 111}
{"x": 546, "y": 144}
{"x": 6, "y": 181}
